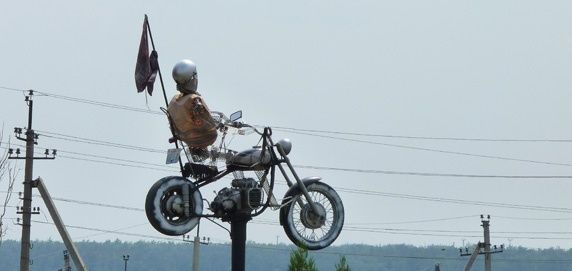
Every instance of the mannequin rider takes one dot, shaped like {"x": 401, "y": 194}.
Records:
{"x": 189, "y": 115}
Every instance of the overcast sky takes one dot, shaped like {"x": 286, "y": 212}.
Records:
{"x": 429, "y": 69}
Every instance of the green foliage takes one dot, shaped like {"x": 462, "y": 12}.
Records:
{"x": 299, "y": 261}
{"x": 343, "y": 265}
{"x": 177, "y": 256}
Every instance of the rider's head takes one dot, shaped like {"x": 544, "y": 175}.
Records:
{"x": 185, "y": 74}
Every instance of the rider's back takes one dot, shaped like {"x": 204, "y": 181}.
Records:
{"x": 192, "y": 121}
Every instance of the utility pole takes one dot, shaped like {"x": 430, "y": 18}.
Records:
{"x": 67, "y": 266}
{"x": 27, "y": 210}
{"x": 196, "y": 246}
{"x": 125, "y": 259}
{"x": 487, "y": 236}
{"x": 486, "y": 247}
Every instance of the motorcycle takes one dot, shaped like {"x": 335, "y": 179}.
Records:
{"x": 311, "y": 212}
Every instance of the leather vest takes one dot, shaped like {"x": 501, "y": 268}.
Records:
{"x": 192, "y": 121}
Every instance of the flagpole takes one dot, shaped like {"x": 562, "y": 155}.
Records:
{"x": 158, "y": 68}
{"x": 162, "y": 86}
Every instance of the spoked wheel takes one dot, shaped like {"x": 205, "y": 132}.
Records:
{"x": 165, "y": 206}
{"x": 309, "y": 229}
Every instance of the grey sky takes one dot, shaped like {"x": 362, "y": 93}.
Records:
{"x": 486, "y": 69}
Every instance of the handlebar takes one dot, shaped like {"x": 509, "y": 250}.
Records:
{"x": 225, "y": 121}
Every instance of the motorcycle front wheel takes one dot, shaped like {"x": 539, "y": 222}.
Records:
{"x": 165, "y": 206}
{"x": 308, "y": 230}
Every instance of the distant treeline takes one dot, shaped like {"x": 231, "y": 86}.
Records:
{"x": 152, "y": 256}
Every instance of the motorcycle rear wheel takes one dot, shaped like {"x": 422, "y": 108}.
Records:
{"x": 307, "y": 230}
{"x": 165, "y": 209}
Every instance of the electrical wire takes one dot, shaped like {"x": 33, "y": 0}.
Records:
{"x": 137, "y": 164}
{"x": 429, "y": 174}
{"x": 142, "y": 110}
{"x": 440, "y": 233}
{"x": 111, "y": 231}
{"x": 348, "y": 253}
{"x": 300, "y": 131}
{"x": 534, "y": 218}
{"x": 417, "y": 221}
{"x": 287, "y": 129}
{"x": 82, "y": 202}
{"x": 349, "y": 227}
{"x": 369, "y": 171}
{"x": 112, "y": 163}
{"x": 455, "y": 201}
{"x": 97, "y": 103}
{"x": 435, "y": 150}
{"x": 71, "y": 138}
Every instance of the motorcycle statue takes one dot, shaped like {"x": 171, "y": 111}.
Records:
{"x": 311, "y": 212}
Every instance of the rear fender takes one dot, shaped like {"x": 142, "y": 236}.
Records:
{"x": 294, "y": 190}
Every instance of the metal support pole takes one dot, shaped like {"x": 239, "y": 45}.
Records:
{"x": 27, "y": 208}
{"x": 77, "y": 260}
{"x": 238, "y": 224}
{"x": 473, "y": 257}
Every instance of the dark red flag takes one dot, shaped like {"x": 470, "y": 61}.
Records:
{"x": 147, "y": 64}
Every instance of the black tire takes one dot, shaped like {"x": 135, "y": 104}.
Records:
{"x": 304, "y": 229}
{"x": 164, "y": 206}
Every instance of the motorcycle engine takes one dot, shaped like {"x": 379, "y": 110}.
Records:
{"x": 244, "y": 196}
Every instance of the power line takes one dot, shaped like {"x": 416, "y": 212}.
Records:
{"x": 142, "y": 110}
{"x": 96, "y": 204}
{"x": 14, "y": 89}
{"x": 111, "y": 231}
{"x": 429, "y": 174}
{"x": 81, "y": 202}
{"x": 396, "y": 195}
{"x": 438, "y": 233}
{"x": 97, "y": 142}
{"x": 107, "y": 158}
{"x": 112, "y": 163}
{"x": 369, "y": 229}
{"x": 416, "y": 233}
{"x": 435, "y": 150}
{"x": 455, "y": 201}
{"x": 71, "y": 157}
{"x": 288, "y": 129}
{"x": 370, "y": 171}
{"x": 298, "y": 131}
{"x": 87, "y": 101}
{"x": 417, "y": 221}
{"x": 115, "y": 159}
{"x": 534, "y": 218}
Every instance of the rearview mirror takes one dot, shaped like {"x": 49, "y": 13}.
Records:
{"x": 236, "y": 115}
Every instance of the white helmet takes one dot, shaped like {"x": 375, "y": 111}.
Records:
{"x": 185, "y": 74}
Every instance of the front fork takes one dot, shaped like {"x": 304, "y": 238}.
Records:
{"x": 301, "y": 185}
